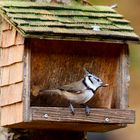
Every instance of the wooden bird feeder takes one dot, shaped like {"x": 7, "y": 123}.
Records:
{"x": 46, "y": 46}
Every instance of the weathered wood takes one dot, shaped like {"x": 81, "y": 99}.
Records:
{"x": 16, "y": 73}
{"x": 123, "y": 79}
{"x": 16, "y": 54}
{"x": 5, "y": 74}
{"x": 8, "y": 38}
{"x": 85, "y": 39}
{"x": 4, "y": 57}
{"x": 15, "y": 113}
{"x": 62, "y": 126}
{"x": 27, "y": 80}
{"x": 19, "y": 39}
{"x": 5, "y": 25}
{"x": 12, "y": 55}
{"x": 11, "y": 94}
{"x": 59, "y": 114}
{"x": 63, "y": 65}
{"x": 12, "y": 74}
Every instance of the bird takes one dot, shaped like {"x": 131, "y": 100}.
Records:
{"x": 79, "y": 92}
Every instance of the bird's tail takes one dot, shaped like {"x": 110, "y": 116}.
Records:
{"x": 53, "y": 91}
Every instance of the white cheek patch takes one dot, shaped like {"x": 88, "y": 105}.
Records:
{"x": 90, "y": 84}
{"x": 93, "y": 85}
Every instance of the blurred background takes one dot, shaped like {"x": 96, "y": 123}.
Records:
{"x": 131, "y": 11}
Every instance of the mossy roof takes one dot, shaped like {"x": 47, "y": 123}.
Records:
{"x": 43, "y": 20}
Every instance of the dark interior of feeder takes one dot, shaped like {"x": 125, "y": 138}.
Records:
{"x": 56, "y": 63}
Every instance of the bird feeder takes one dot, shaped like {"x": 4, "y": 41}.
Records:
{"x": 46, "y": 46}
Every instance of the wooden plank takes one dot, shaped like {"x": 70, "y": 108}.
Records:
{"x": 16, "y": 73}
{"x": 12, "y": 55}
{"x": 5, "y": 73}
{"x": 5, "y": 25}
{"x": 15, "y": 113}
{"x": 12, "y": 74}
{"x": 91, "y": 127}
{"x": 4, "y": 57}
{"x": 16, "y": 54}
{"x": 19, "y": 39}
{"x": 60, "y": 114}
{"x": 11, "y": 94}
{"x": 123, "y": 79}
{"x": 27, "y": 80}
{"x": 8, "y": 38}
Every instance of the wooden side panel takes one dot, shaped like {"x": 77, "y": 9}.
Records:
{"x": 19, "y": 39}
{"x": 12, "y": 114}
{"x": 12, "y": 55}
{"x": 5, "y": 25}
{"x": 12, "y": 74}
{"x": 16, "y": 73}
{"x": 27, "y": 81}
{"x": 11, "y": 65}
{"x": 5, "y": 74}
{"x": 123, "y": 79}
{"x": 8, "y": 37}
{"x": 11, "y": 94}
{"x": 4, "y": 57}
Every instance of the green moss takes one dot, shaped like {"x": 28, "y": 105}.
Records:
{"x": 36, "y": 18}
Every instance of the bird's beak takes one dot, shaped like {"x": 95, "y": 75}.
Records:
{"x": 105, "y": 85}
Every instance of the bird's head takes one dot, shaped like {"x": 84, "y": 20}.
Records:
{"x": 93, "y": 81}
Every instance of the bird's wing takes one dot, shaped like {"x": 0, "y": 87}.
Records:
{"x": 76, "y": 87}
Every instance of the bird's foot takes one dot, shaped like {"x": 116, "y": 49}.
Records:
{"x": 72, "y": 110}
{"x": 87, "y": 110}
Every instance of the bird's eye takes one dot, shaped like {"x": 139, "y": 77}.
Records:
{"x": 98, "y": 80}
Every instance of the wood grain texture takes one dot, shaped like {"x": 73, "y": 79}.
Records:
{"x": 5, "y": 74}
{"x": 5, "y": 25}
{"x": 124, "y": 64}
{"x": 12, "y": 114}
{"x": 58, "y": 114}
{"x": 16, "y": 73}
{"x": 12, "y": 55}
{"x": 55, "y": 63}
{"x": 62, "y": 126}
{"x": 19, "y": 40}
{"x": 27, "y": 80}
{"x": 12, "y": 74}
{"x": 11, "y": 94}
{"x": 8, "y": 38}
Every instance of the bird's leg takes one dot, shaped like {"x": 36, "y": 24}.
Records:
{"x": 87, "y": 110}
{"x": 72, "y": 109}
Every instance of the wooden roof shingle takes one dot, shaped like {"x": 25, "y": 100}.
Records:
{"x": 44, "y": 20}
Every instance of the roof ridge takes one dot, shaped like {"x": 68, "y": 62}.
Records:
{"x": 29, "y": 4}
